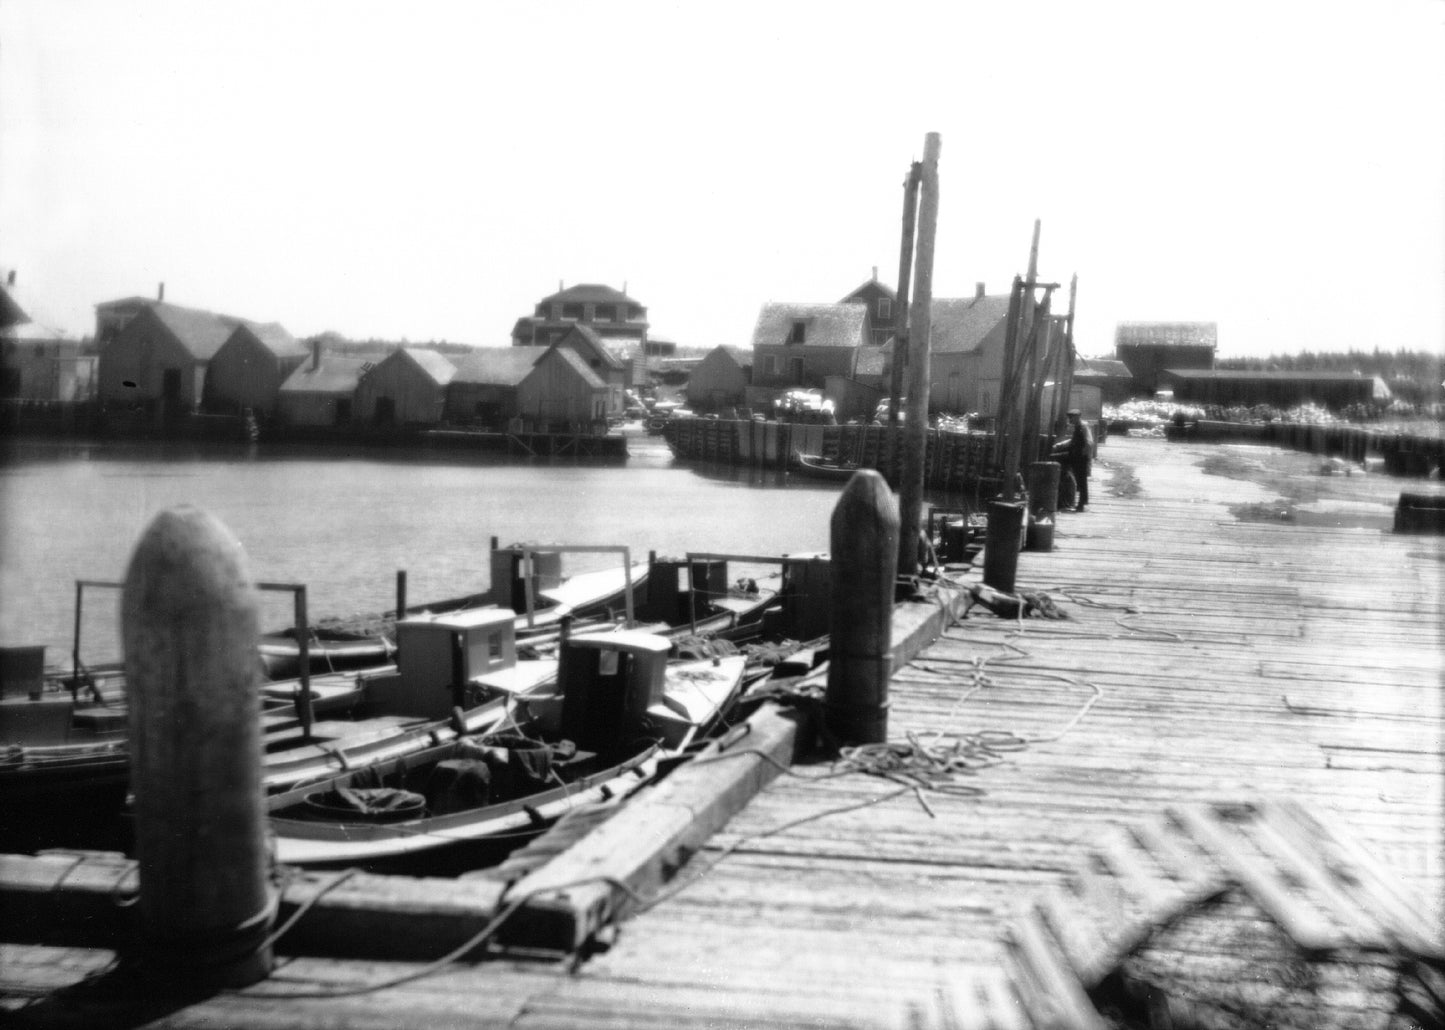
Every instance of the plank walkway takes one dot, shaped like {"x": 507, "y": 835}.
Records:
{"x": 1207, "y": 667}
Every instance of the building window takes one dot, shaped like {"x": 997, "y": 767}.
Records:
{"x": 605, "y": 313}
{"x": 885, "y": 308}
{"x": 800, "y": 329}
{"x": 572, "y": 311}
{"x": 770, "y": 365}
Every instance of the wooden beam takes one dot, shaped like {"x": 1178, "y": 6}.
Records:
{"x": 75, "y": 898}
{"x": 636, "y": 852}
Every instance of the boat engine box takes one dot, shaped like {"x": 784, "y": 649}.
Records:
{"x": 511, "y": 568}
{"x": 608, "y": 681}
{"x": 438, "y": 655}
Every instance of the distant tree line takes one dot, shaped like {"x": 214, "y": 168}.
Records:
{"x": 1413, "y": 376}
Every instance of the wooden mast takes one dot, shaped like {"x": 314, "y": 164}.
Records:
{"x": 915, "y": 432}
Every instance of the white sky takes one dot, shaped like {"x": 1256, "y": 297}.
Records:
{"x": 430, "y": 170}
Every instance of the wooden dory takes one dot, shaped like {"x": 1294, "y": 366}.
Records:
{"x": 619, "y": 708}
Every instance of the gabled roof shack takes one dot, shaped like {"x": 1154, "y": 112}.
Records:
{"x": 579, "y": 365}
{"x": 961, "y": 325}
{"x": 274, "y": 338}
{"x": 594, "y": 341}
{"x": 435, "y": 364}
{"x": 497, "y": 366}
{"x": 337, "y": 374}
{"x": 743, "y": 358}
{"x": 201, "y": 333}
{"x": 823, "y": 325}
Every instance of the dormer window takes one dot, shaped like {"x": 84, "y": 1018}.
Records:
{"x": 799, "y": 331}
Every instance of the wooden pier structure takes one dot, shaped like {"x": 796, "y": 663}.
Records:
{"x": 1237, "y": 720}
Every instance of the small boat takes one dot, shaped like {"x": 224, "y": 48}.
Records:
{"x": 619, "y": 709}
{"x": 816, "y": 467}
{"x": 460, "y": 675}
{"x": 695, "y": 596}
{"x": 327, "y": 650}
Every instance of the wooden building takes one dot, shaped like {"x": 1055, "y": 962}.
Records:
{"x": 967, "y": 348}
{"x": 1110, "y": 375}
{"x": 112, "y": 316}
{"x": 157, "y": 363}
{"x": 322, "y": 390}
{"x": 879, "y": 300}
{"x": 484, "y": 389}
{"x": 249, "y": 368}
{"x": 409, "y": 387}
{"x": 1148, "y": 348}
{"x": 800, "y": 345}
{"x": 611, "y": 313}
{"x": 1226, "y": 388}
{"x": 37, "y": 362}
{"x": 615, "y": 372}
{"x": 720, "y": 379}
{"x": 561, "y": 394}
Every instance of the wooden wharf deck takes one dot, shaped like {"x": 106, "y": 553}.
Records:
{"x": 1205, "y": 661}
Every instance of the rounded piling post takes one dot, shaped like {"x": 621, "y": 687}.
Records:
{"x": 189, "y": 630}
{"x": 1001, "y": 545}
{"x": 864, "y": 564}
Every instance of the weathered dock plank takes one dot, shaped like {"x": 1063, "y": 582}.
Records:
{"x": 850, "y": 900}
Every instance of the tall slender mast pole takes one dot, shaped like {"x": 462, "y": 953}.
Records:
{"x": 1024, "y": 364}
{"x": 915, "y": 432}
{"x": 905, "y": 274}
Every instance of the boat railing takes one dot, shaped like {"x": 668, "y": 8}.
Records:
{"x": 529, "y": 587}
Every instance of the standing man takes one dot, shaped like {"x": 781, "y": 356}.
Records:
{"x": 1078, "y": 455}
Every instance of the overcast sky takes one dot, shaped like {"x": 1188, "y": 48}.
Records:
{"x": 430, "y": 170}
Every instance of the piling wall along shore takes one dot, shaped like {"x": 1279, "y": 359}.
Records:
{"x": 953, "y": 459}
{"x": 1404, "y": 454}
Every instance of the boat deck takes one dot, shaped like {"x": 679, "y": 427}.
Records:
{"x": 1205, "y": 662}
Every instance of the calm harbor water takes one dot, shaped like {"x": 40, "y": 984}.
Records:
{"x": 343, "y": 521}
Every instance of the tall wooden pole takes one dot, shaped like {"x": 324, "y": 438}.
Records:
{"x": 189, "y": 628}
{"x": 1007, "y": 383}
{"x": 1041, "y": 357}
{"x": 915, "y": 432}
{"x": 1070, "y": 356}
{"x": 900, "y": 312}
{"x": 1013, "y": 442}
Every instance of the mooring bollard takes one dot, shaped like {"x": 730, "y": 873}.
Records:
{"x": 864, "y": 563}
{"x": 189, "y": 629}
{"x": 1043, "y": 489}
{"x": 1001, "y": 546}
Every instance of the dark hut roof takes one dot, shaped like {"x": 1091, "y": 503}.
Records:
{"x": 201, "y": 333}
{"x": 336, "y": 374}
{"x": 577, "y": 364}
{"x": 589, "y": 292}
{"x": 1166, "y": 334}
{"x": 274, "y": 338}
{"x": 434, "y": 364}
{"x": 829, "y": 325}
{"x": 498, "y": 366}
{"x": 961, "y": 324}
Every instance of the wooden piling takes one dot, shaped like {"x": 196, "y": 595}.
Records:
{"x": 920, "y": 318}
{"x": 1001, "y": 545}
{"x": 864, "y": 545}
{"x": 189, "y": 629}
